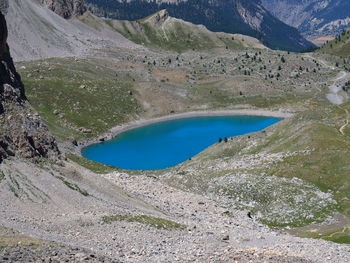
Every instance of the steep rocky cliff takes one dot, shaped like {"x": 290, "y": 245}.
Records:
{"x": 314, "y": 18}
{"x": 21, "y": 131}
{"x": 66, "y": 8}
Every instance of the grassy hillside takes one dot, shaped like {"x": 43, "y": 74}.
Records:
{"x": 78, "y": 99}
{"x": 340, "y": 46}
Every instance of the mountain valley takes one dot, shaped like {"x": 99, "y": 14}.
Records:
{"x": 277, "y": 195}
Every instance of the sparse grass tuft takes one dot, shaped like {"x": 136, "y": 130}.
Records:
{"x": 228, "y": 214}
{"x": 75, "y": 187}
{"x": 11, "y": 241}
{"x": 91, "y": 165}
{"x": 156, "y": 222}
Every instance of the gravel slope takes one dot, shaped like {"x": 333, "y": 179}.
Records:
{"x": 35, "y": 32}
{"x": 212, "y": 234}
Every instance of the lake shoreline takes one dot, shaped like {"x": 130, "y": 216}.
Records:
{"x": 113, "y": 132}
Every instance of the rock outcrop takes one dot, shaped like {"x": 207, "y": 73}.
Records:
{"x": 22, "y": 132}
{"x": 66, "y": 8}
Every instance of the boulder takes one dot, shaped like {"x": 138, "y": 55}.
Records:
{"x": 66, "y": 8}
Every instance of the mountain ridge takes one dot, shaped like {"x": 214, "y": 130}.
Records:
{"x": 234, "y": 16}
{"x": 160, "y": 30}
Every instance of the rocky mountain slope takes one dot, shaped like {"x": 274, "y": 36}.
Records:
{"x": 314, "y": 18}
{"x": 36, "y": 32}
{"x": 234, "y": 16}
{"x": 162, "y": 31}
{"x": 22, "y": 131}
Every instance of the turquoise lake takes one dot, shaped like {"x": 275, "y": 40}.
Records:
{"x": 166, "y": 144}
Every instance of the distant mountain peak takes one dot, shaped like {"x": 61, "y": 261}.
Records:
{"x": 157, "y": 18}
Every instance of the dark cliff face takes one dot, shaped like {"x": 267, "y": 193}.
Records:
{"x": 11, "y": 87}
{"x": 66, "y": 8}
{"x": 22, "y": 133}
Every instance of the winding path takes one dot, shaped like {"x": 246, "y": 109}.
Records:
{"x": 342, "y": 128}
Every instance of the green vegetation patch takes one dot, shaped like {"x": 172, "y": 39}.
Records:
{"x": 15, "y": 241}
{"x": 341, "y": 235}
{"x": 91, "y": 165}
{"x": 156, "y": 222}
{"x": 74, "y": 186}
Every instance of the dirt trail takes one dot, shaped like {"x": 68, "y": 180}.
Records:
{"x": 342, "y": 128}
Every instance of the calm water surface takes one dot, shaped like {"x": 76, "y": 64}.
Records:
{"x": 166, "y": 144}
